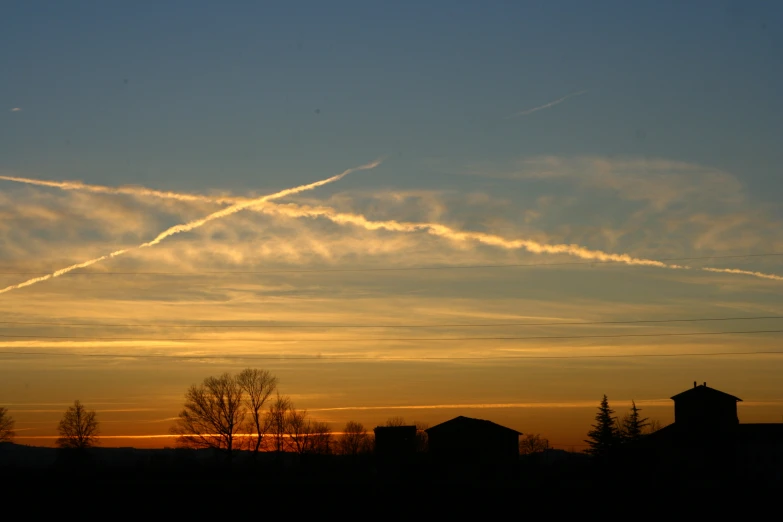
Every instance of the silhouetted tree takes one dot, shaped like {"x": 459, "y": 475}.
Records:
{"x": 632, "y": 426}
{"x": 394, "y": 422}
{"x": 277, "y": 419}
{"x": 354, "y": 439}
{"x": 297, "y": 429}
{"x": 78, "y": 428}
{"x": 604, "y": 436}
{"x": 257, "y": 386}
{"x": 306, "y": 435}
{"x": 320, "y": 438}
{"x": 532, "y": 443}
{"x": 6, "y": 426}
{"x": 213, "y": 415}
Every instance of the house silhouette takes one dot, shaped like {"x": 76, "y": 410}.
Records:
{"x": 473, "y": 450}
{"x": 703, "y": 408}
{"x": 706, "y": 443}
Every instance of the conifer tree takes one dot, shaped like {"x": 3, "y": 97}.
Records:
{"x": 604, "y": 435}
{"x": 633, "y": 425}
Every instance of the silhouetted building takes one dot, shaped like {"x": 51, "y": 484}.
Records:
{"x": 473, "y": 449}
{"x": 707, "y": 444}
{"x": 705, "y": 408}
{"x": 395, "y": 451}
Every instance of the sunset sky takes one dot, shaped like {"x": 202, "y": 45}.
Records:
{"x": 513, "y": 169}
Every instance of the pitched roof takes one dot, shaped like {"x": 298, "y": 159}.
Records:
{"x": 705, "y": 391}
{"x": 468, "y": 424}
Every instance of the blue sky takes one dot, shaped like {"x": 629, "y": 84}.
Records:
{"x": 667, "y": 145}
{"x": 231, "y": 93}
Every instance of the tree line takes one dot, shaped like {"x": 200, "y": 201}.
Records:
{"x": 78, "y": 427}
{"x": 246, "y": 411}
{"x": 232, "y": 412}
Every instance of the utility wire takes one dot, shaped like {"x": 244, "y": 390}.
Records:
{"x": 372, "y": 339}
{"x": 384, "y": 269}
{"x": 374, "y": 359}
{"x": 438, "y": 325}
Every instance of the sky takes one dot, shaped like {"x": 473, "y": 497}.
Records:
{"x": 511, "y": 170}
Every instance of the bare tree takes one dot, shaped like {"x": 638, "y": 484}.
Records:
{"x": 213, "y": 415}
{"x": 354, "y": 439}
{"x": 532, "y": 443}
{"x": 306, "y": 435}
{"x": 277, "y": 420}
{"x": 298, "y": 429}
{"x": 319, "y": 438}
{"x": 393, "y": 422}
{"x": 78, "y": 428}
{"x": 257, "y": 385}
{"x": 7, "y": 432}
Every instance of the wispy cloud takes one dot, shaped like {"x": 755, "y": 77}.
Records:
{"x": 347, "y": 218}
{"x": 545, "y": 106}
{"x": 682, "y": 208}
{"x": 16, "y": 109}
{"x": 194, "y": 224}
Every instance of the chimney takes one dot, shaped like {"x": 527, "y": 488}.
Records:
{"x": 694, "y": 384}
{"x": 705, "y": 384}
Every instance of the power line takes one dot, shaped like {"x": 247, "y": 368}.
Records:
{"x": 438, "y": 325}
{"x": 375, "y": 359}
{"x": 383, "y": 269}
{"x": 372, "y": 339}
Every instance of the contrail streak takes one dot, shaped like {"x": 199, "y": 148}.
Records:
{"x": 762, "y": 275}
{"x": 545, "y": 106}
{"x": 233, "y": 209}
{"x": 299, "y": 211}
{"x": 293, "y": 210}
{"x": 128, "y": 190}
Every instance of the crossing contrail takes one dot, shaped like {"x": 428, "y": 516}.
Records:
{"x": 227, "y": 211}
{"x": 344, "y": 218}
{"x": 545, "y": 106}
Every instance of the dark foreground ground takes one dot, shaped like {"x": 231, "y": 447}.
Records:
{"x": 206, "y": 477}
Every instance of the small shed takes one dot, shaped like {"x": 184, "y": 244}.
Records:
{"x": 395, "y": 451}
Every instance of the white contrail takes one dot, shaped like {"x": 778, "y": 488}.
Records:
{"x": 545, "y": 106}
{"x": 293, "y": 210}
{"x": 129, "y": 190}
{"x": 744, "y": 272}
{"x": 62, "y": 271}
{"x": 298, "y": 211}
{"x": 195, "y": 224}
